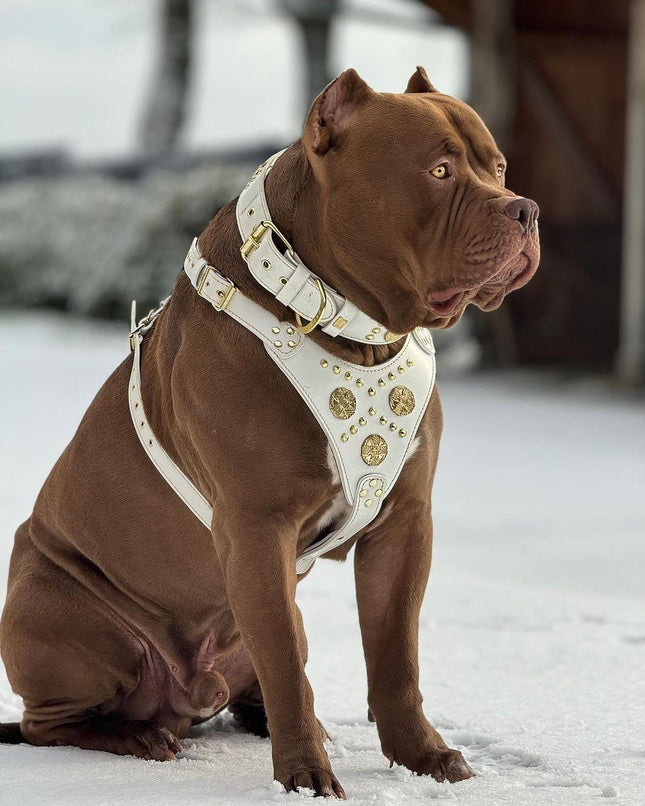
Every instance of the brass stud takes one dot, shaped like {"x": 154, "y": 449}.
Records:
{"x": 360, "y": 382}
{"x": 348, "y": 376}
{"x": 363, "y": 493}
{"x": 372, "y": 482}
{"x": 336, "y": 369}
{"x": 378, "y": 493}
{"x": 290, "y": 330}
{"x": 371, "y": 391}
{"x": 392, "y": 426}
{"x": 369, "y": 337}
{"x": 372, "y": 411}
{"x": 275, "y": 330}
{"x": 368, "y": 503}
{"x": 277, "y": 344}
{"x": 353, "y": 429}
{"x": 381, "y": 382}
{"x": 401, "y": 370}
{"x": 344, "y": 437}
{"x": 410, "y": 362}
{"x": 403, "y": 432}
{"x": 266, "y": 264}
{"x": 291, "y": 343}
{"x": 324, "y": 363}
{"x": 383, "y": 420}
{"x": 391, "y": 376}
{"x": 362, "y": 421}
{"x": 376, "y": 330}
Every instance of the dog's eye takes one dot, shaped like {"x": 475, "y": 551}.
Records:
{"x": 500, "y": 170}
{"x": 440, "y": 172}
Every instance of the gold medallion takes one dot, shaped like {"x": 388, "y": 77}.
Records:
{"x": 342, "y": 403}
{"x": 373, "y": 449}
{"x": 402, "y": 400}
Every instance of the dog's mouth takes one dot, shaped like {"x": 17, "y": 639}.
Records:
{"x": 448, "y": 305}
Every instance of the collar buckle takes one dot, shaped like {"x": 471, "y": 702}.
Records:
{"x": 255, "y": 238}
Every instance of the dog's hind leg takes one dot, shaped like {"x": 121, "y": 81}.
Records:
{"x": 74, "y": 665}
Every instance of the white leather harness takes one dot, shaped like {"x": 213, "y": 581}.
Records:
{"x": 370, "y": 415}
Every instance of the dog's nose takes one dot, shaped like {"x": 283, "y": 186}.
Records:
{"x": 524, "y": 211}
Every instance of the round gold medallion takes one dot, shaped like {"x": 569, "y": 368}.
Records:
{"x": 373, "y": 449}
{"x": 342, "y": 403}
{"x": 402, "y": 400}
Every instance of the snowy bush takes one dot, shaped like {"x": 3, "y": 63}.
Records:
{"x": 91, "y": 243}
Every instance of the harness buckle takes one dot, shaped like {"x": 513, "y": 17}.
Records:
{"x": 255, "y": 238}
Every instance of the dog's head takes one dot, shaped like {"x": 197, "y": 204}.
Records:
{"x": 414, "y": 205}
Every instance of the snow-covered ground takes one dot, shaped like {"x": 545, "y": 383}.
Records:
{"x": 533, "y": 629}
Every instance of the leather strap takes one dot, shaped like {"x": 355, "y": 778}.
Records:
{"x": 279, "y": 270}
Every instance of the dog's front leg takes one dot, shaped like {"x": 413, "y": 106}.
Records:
{"x": 392, "y": 564}
{"x": 258, "y": 560}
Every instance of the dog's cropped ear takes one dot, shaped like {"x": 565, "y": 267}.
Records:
{"x": 329, "y": 114}
{"x": 419, "y": 82}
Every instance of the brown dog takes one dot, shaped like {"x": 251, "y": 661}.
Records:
{"x": 126, "y": 621}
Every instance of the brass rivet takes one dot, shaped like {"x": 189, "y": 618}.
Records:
{"x": 336, "y": 370}
{"x": 391, "y": 376}
{"x": 402, "y": 432}
{"x": 383, "y": 420}
{"x": 363, "y": 493}
{"x": 348, "y": 376}
{"x": 368, "y": 503}
{"x": 362, "y": 421}
{"x": 401, "y": 370}
{"x": 275, "y": 330}
{"x": 291, "y": 343}
{"x": 410, "y": 362}
{"x": 372, "y": 482}
{"x": 290, "y": 330}
{"x": 266, "y": 264}
{"x": 344, "y": 437}
{"x": 381, "y": 382}
{"x": 324, "y": 362}
{"x": 277, "y": 344}
{"x": 392, "y": 426}
{"x": 372, "y": 410}
{"x": 378, "y": 493}
{"x": 371, "y": 392}
{"x": 360, "y": 382}
{"x": 376, "y": 330}
{"x": 353, "y": 429}
{"x": 369, "y": 337}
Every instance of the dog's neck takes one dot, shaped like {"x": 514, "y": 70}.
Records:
{"x": 295, "y": 208}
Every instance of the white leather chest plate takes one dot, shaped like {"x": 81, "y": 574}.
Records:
{"x": 370, "y": 416}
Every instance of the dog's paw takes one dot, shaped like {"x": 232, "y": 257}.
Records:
{"x": 442, "y": 764}
{"x": 150, "y": 743}
{"x": 323, "y": 783}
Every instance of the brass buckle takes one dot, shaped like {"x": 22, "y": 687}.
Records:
{"x": 226, "y": 297}
{"x": 312, "y": 324}
{"x": 254, "y": 239}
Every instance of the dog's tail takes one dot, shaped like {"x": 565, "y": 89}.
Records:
{"x": 10, "y": 733}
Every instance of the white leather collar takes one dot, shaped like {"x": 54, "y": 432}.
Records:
{"x": 284, "y": 275}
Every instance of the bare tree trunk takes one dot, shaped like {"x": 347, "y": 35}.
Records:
{"x": 314, "y": 17}
{"x": 164, "y": 116}
{"x": 631, "y": 353}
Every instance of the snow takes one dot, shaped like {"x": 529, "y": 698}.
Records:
{"x": 532, "y": 632}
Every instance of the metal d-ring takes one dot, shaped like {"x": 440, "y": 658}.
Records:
{"x": 307, "y": 328}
